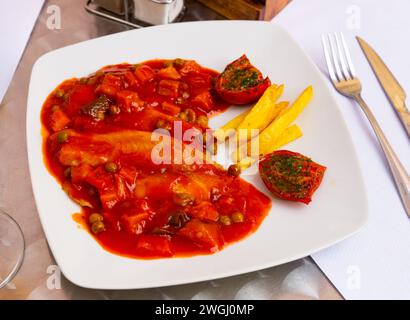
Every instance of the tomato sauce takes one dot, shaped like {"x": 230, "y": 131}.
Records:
{"x": 97, "y": 143}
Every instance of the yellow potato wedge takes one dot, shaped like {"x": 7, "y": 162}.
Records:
{"x": 290, "y": 134}
{"x": 224, "y": 131}
{"x": 228, "y": 129}
{"x": 271, "y": 135}
{"x": 243, "y": 135}
{"x": 263, "y": 111}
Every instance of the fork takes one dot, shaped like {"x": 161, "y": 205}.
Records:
{"x": 343, "y": 76}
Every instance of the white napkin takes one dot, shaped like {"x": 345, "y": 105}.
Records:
{"x": 375, "y": 263}
{"x": 17, "y": 19}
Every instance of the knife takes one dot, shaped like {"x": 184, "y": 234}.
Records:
{"x": 389, "y": 83}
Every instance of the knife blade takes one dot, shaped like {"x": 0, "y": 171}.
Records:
{"x": 394, "y": 91}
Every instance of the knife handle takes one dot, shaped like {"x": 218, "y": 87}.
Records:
{"x": 404, "y": 116}
{"x": 400, "y": 175}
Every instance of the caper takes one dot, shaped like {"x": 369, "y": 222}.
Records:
{"x": 237, "y": 217}
{"x": 183, "y": 116}
{"x": 202, "y": 121}
{"x": 234, "y": 170}
{"x": 225, "y": 220}
{"x": 95, "y": 217}
{"x": 62, "y": 136}
{"x": 111, "y": 167}
{"x": 183, "y": 199}
{"x": 59, "y": 93}
{"x": 179, "y": 62}
{"x": 98, "y": 227}
{"x": 191, "y": 115}
{"x": 66, "y": 97}
{"x": 114, "y": 110}
{"x": 163, "y": 124}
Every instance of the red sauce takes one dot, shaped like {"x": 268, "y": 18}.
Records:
{"x": 97, "y": 144}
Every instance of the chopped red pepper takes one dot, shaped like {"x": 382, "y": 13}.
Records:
{"x": 144, "y": 74}
{"x": 168, "y": 88}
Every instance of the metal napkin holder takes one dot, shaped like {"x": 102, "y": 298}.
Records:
{"x": 126, "y": 18}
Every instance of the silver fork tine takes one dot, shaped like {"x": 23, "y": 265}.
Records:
{"x": 342, "y": 58}
{"x": 330, "y": 68}
{"x": 348, "y": 57}
{"x": 335, "y": 58}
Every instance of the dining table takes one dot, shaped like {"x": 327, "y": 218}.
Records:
{"x": 39, "y": 277}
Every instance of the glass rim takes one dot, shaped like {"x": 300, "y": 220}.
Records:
{"x": 19, "y": 262}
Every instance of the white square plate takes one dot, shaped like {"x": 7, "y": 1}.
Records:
{"x": 289, "y": 232}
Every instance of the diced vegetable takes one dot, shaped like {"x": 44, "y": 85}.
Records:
{"x": 59, "y": 120}
{"x": 130, "y": 79}
{"x": 78, "y": 97}
{"x": 110, "y": 85}
{"x": 144, "y": 74}
{"x": 129, "y": 101}
{"x": 171, "y": 108}
{"x": 205, "y": 234}
{"x": 168, "y": 88}
{"x": 203, "y": 101}
{"x": 188, "y": 66}
{"x": 169, "y": 73}
{"x": 205, "y": 211}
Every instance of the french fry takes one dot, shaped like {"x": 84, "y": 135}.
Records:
{"x": 263, "y": 112}
{"x": 271, "y": 135}
{"x": 227, "y": 129}
{"x": 242, "y": 136}
{"x": 224, "y": 131}
{"x": 290, "y": 134}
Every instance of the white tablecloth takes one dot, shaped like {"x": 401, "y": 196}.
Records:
{"x": 375, "y": 263}
{"x": 20, "y": 17}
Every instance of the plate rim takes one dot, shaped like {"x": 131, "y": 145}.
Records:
{"x": 72, "y": 278}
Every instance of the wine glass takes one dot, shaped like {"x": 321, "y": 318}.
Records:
{"x": 11, "y": 248}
